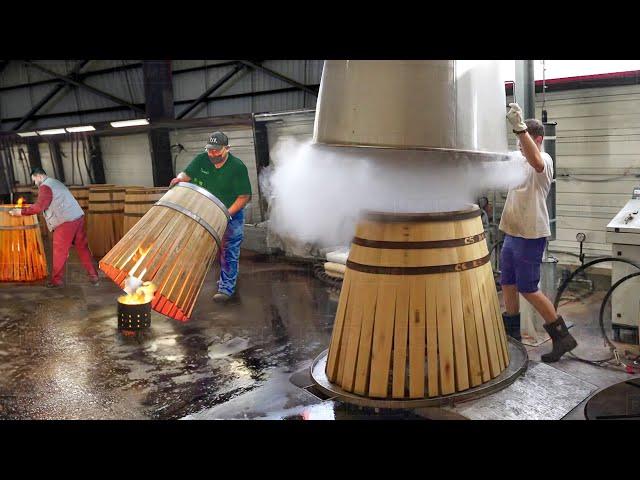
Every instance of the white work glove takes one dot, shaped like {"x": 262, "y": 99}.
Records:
{"x": 15, "y": 212}
{"x": 515, "y": 117}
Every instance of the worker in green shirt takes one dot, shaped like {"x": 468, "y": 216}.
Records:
{"x": 226, "y": 177}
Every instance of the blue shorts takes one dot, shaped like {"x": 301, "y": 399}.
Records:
{"x": 520, "y": 261}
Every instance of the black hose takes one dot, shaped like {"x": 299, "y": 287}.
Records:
{"x": 321, "y": 274}
{"x": 606, "y": 299}
{"x": 566, "y": 282}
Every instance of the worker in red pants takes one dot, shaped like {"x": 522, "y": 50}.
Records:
{"x": 65, "y": 218}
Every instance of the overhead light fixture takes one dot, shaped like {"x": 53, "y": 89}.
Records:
{"x": 85, "y": 128}
{"x": 53, "y": 131}
{"x": 28, "y": 134}
{"x": 130, "y": 123}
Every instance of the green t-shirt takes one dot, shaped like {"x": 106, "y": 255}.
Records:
{"x": 226, "y": 182}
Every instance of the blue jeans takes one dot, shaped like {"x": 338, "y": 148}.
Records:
{"x": 230, "y": 254}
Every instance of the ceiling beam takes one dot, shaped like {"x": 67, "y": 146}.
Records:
{"x": 84, "y": 86}
{"x": 52, "y": 93}
{"x": 279, "y": 76}
{"x": 210, "y": 90}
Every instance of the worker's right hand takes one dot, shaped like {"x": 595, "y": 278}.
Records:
{"x": 515, "y": 117}
{"x": 174, "y": 181}
{"x": 15, "y": 212}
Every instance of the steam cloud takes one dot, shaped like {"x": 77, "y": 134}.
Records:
{"x": 317, "y": 193}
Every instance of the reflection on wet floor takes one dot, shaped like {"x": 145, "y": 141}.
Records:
{"x": 63, "y": 358}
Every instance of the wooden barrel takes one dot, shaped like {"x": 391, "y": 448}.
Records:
{"x": 81, "y": 194}
{"x": 106, "y": 211}
{"x": 418, "y": 314}
{"x": 173, "y": 245}
{"x": 22, "y": 257}
{"x": 138, "y": 201}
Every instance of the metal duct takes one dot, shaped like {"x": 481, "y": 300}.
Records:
{"x": 440, "y": 105}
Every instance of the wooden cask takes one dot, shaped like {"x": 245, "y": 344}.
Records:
{"x": 81, "y": 194}
{"x": 138, "y": 201}
{"x": 22, "y": 256}
{"x": 173, "y": 245}
{"x": 418, "y": 314}
{"x": 106, "y": 211}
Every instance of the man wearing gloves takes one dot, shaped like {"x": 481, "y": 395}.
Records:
{"x": 525, "y": 223}
{"x": 65, "y": 218}
{"x": 226, "y": 177}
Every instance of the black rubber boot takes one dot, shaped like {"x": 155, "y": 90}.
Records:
{"x": 562, "y": 340}
{"x": 512, "y": 326}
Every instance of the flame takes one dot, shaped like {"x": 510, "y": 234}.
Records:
{"x": 20, "y": 201}
{"x": 143, "y": 253}
{"x": 144, "y": 294}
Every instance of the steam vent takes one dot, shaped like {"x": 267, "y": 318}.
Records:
{"x": 418, "y": 314}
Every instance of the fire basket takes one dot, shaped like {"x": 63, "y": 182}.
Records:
{"x": 134, "y": 317}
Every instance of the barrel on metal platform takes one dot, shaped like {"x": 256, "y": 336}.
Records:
{"x": 173, "y": 245}
{"x": 418, "y": 314}
{"x": 22, "y": 256}
{"x": 106, "y": 211}
{"x": 138, "y": 201}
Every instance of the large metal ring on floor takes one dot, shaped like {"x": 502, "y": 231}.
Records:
{"x": 617, "y": 402}
{"x": 517, "y": 366}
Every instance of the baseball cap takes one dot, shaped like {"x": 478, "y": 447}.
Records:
{"x": 217, "y": 140}
{"x": 37, "y": 171}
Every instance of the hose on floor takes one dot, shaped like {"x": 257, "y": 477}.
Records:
{"x": 320, "y": 274}
{"x": 614, "y": 352}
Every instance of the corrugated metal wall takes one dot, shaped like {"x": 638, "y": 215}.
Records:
{"x": 597, "y": 162}
{"x": 127, "y": 160}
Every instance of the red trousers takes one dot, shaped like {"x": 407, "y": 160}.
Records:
{"x": 67, "y": 234}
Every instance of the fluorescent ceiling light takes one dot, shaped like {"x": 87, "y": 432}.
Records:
{"x": 28, "y": 134}
{"x": 53, "y": 131}
{"x": 130, "y": 123}
{"x": 85, "y": 128}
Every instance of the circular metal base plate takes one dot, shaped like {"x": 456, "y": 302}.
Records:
{"x": 517, "y": 366}
{"x": 617, "y": 402}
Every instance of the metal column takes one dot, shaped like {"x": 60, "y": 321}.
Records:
{"x": 34, "y": 154}
{"x": 549, "y": 146}
{"x": 261, "y": 147}
{"x": 524, "y": 90}
{"x": 158, "y": 92}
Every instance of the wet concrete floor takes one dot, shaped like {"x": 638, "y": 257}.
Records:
{"x": 61, "y": 356}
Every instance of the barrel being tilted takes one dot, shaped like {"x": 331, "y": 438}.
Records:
{"x": 173, "y": 245}
{"x": 418, "y": 314}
